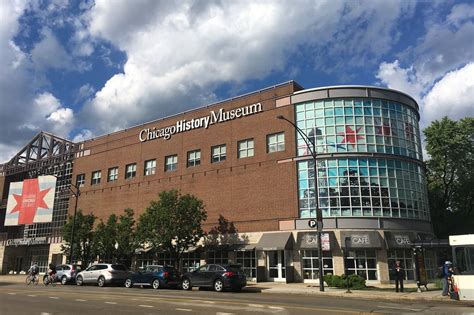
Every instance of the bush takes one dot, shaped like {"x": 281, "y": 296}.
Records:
{"x": 355, "y": 281}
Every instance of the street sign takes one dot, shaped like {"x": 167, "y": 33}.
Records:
{"x": 312, "y": 223}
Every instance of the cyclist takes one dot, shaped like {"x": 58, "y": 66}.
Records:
{"x": 33, "y": 273}
{"x": 52, "y": 272}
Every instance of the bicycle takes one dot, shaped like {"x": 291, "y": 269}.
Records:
{"x": 32, "y": 279}
{"x": 49, "y": 279}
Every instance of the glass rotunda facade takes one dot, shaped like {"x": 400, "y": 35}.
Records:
{"x": 368, "y": 151}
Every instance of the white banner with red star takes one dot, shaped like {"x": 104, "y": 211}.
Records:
{"x": 31, "y": 201}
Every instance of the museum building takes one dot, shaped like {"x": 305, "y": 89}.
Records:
{"x": 257, "y": 172}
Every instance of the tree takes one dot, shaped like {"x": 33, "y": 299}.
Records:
{"x": 84, "y": 248}
{"x": 450, "y": 175}
{"x": 172, "y": 224}
{"x": 106, "y": 237}
{"x": 115, "y": 240}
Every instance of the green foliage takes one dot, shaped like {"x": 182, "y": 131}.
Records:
{"x": 450, "y": 175}
{"x": 356, "y": 282}
{"x": 116, "y": 239}
{"x": 84, "y": 248}
{"x": 172, "y": 224}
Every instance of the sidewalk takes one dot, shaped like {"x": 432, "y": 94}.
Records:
{"x": 385, "y": 292}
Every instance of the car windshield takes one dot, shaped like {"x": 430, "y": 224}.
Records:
{"x": 119, "y": 267}
{"x": 234, "y": 268}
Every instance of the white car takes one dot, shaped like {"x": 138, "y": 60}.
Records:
{"x": 103, "y": 274}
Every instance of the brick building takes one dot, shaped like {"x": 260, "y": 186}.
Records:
{"x": 256, "y": 171}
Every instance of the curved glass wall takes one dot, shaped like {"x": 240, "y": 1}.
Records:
{"x": 359, "y": 186}
{"x": 359, "y": 125}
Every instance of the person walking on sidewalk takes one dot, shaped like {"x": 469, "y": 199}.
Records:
{"x": 399, "y": 274}
{"x": 447, "y": 273}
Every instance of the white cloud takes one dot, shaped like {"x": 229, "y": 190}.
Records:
{"x": 178, "y": 51}
{"x": 24, "y": 111}
{"x": 398, "y": 78}
{"x": 452, "y": 96}
{"x": 49, "y": 53}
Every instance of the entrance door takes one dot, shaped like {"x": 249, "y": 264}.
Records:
{"x": 276, "y": 265}
{"x": 18, "y": 264}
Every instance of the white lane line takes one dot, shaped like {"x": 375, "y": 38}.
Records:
{"x": 80, "y": 300}
{"x": 256, "y": 305}
{"x": 220, "y": 313}
{"x": 31, "y": 295}
{"x": 110, "y": 302}
{"x": 276, "y": 307}
{"x": 54, "y": 297}
{"x": 401, "y": 308}
{"x": 209, "y": 302}
{"x": 184, "y": 309}
{"x": 141, "y": 305}
{"x": 44, "y": 313}
{"x": 12, "y": 293}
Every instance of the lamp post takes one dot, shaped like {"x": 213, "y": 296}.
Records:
{"x": 311, "y": 143}
{"x": 76, "y": 194}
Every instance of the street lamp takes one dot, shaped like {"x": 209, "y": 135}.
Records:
{"x": 311, "y": 144}
{"x": 76, "y": 194}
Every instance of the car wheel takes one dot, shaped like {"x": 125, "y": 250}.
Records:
{"x": 128, "y": 283}
{"x": 63, "y": 280}
{"x": 156, "y": 284}
{"x": 218, "y": 285}
{"x": 101, "y": 281}
{"x": 45, "y": 280}
{"x": 186, "y": 284}
{"x": 79, "y": 280}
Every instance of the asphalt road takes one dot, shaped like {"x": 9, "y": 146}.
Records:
{"x": 19, "y": 299}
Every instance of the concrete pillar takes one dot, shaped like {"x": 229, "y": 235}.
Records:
{"x": 383, "y": 267}
{"x": 297, "y": 266}
{"x": 3, "y": 264}
{"x": 261, "y": 266}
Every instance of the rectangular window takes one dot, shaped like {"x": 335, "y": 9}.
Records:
{"x": 218, "y": 153}
{"x": 276, "y": 142}
{"x": 150, "y": 167}
{"x": 130, "y": 170}
{"x": 362, "y": 263}
{"x": 248, "y": 261}
{"x": 81, "y": 180}
{"x": 194, "y": 158}
{"x": 95, "y": 180}
{"x": 246, "y": 148}
{"x": 310, "y": 261}
{"x": 171, "y": 163}
{"x": 113, "y": 174}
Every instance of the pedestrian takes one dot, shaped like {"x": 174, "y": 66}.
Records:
{"x": 446, "y": 279}
{"x": 399, "y": 274}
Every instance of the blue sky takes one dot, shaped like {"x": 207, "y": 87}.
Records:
{"x": 80, "y": 69}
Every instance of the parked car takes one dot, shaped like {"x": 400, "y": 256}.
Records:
{"x": 155, "y": 276}
{"x": 66, "y": 273}
{"x": 103, "y": 274}
{"x": 216, "y": 276}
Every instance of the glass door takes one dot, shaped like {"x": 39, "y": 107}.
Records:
{"x": 276, "y": 265}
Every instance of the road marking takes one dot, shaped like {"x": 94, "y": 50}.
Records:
{"x": 256, "y": 305}
{"x": 209, "y": 302}
{"x": 110, "y": 302}
{"x": 401, "y": 308}
{"x": 31, "y": 295}
{"x": 11, "y": 293}
{"x": 276, "y": 307}
{"x": 220, "y": 313}
{"x": 54, "y": 297}
{"x": 44, "y": 313}
{"x": 184, "y": 309}
{"x": 141, "y": 305}
{"x": 81, "y": 300}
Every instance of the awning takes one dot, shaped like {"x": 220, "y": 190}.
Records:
{"x": 245, "y": 247}
{"x": 361, "y": 239}
{"x": 396, "y": 240}
{"x": 276, "y": 241}
{"x": 309, "y": 240}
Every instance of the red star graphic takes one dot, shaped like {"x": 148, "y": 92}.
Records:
{"x": 383, "y": 130}
{"x": 29, "y": 201}
{"x": 351, "y": 136}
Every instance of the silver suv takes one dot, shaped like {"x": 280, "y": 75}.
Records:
{"x": 103, "y": 274}
{"x": 67, "y": 273}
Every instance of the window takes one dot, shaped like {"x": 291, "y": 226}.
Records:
{"x": 245, "y": 148}
{"x": 171, "y": 163}
{"x": 113, "y": 174}
{"x": 276, "y": 142}
{"x": 362, "y": 263}
{"x": 248, "y": 262}
{"x": 217, "y": 257}
{"x": 81, "y": 180}
{"x": 218, "y": 153}
{"x": 311, "y": 264}
{"x": 150, "y": 167}
{"x": 406, "y": 261}
{"x": 95, "y": 180}
{"x": 130, "y": 170}
{"x": 194, "y": 158}
{"x": 190, "y": 261}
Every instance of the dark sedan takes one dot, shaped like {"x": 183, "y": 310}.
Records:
{"x": 155, "y": 276}
{"x": 216, "y": 276}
